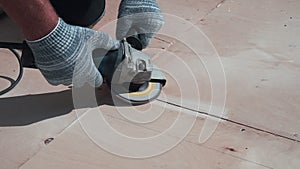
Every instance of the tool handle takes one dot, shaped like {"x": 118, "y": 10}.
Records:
{"x": 135, "y": 42}
{"x": 10, "y": 45}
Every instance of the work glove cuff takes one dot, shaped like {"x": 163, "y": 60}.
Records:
{"x": 128, "y": 7}
{"x": 63, "y": 39}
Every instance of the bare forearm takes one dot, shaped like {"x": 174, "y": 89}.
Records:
{"x": 36, "y": 18}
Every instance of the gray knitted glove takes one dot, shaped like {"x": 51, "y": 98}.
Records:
{"x": 139, "y": 17}
{"x": 65, "y": 55}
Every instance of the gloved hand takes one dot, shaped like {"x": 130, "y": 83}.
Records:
{"x": 139, "y": 17}
{"x": 65, "y": 55}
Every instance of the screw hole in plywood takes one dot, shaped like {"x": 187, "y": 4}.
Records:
{"x": 48, "y": 141}
{"x": 230, "y": 149}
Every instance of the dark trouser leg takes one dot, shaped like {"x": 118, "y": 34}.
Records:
{"x": 84, "y": 13}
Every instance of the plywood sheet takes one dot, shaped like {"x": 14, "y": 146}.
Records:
{"x": 30, "y": 114}
{"x": 258, "y": 51}
{"x": 73, "y": 149}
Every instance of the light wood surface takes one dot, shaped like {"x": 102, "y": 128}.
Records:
{"x": 258, "y": 47}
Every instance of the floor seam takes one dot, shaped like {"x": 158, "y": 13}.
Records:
{"x": 173, "y": 42}
{"x": 188, "y": 141}
{"x": 212, "y": 10}
{"x": 232, "y": 121}
{"x": 59, "y": 134}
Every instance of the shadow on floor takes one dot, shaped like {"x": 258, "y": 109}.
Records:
{"x": 26, "y": 110}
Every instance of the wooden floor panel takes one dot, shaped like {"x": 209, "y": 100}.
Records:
{"x": 259, "y": 128}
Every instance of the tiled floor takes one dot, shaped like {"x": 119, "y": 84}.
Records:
{"x": 258, "y": 47}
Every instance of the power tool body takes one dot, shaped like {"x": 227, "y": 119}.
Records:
{"x": 129, "y": 72}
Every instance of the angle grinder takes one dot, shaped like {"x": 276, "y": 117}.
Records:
{"x": 131, "y": 74}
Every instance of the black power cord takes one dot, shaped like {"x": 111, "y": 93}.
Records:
{"x": 12, "y": 47}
